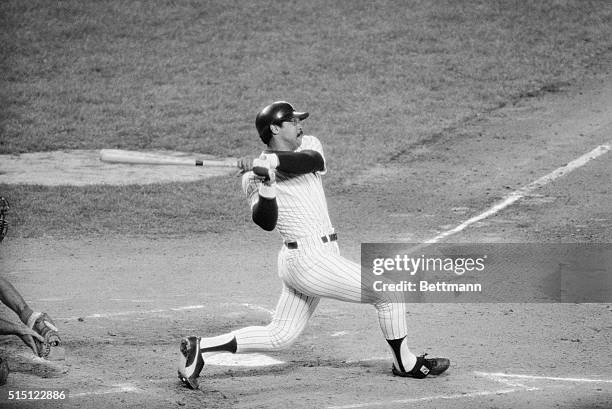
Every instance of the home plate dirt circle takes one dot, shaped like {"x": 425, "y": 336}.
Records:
{"x": 84, "y": 167}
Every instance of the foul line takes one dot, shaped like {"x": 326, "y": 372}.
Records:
{"x": 427, "y": 399}
{"x": 527, "y": 189}
{"x": 545, "y": 378}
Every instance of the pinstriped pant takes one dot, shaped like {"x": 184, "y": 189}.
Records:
{"x": 310, "y": 272}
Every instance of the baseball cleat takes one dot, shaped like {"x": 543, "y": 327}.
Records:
{"x": 190, "y": 362}
{"x": 424, "y": 367}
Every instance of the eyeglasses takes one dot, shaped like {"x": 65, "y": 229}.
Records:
{"x": 294, "y": 121}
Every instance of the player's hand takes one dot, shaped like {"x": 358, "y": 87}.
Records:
{"x": 271, "y": 178}
{"x": 263, "y": 168}
{"x": 270, "y": 159}
{"x": 245, "y": 164}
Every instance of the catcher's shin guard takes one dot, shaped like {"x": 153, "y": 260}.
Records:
{"x": 424, "y": 367}
{"x": 42, "y": 323}
{"x": 190, "y": 362}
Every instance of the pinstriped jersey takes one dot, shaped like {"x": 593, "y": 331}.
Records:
{"x": 302, "y": 207}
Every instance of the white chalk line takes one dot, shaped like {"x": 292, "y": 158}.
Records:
{"x": 120, "y": 388}
{"x": 426, "y": 399}
{"x": 500, "y": 375}
{"x": 134, "y": 312}
{"x": 509, "y": 380}
{"x": 159, "y": 311}
{"x": 257, "y": 308}
{"x": 526, "y": 190}
{"x": 514, "y": 387}
{"x": 506, "y": 379}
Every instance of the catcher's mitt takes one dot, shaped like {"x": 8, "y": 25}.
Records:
{"x": 42, "y": 323}
{"x": 4, "y": 208}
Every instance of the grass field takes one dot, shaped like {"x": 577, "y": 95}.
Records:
{"x": 379, "y": 78}
{"x": 430, "y": 112}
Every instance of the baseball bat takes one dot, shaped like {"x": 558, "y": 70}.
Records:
{"x": 147, "y": 158}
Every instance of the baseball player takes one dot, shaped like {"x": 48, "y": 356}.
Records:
{"x": 285, "y": 192}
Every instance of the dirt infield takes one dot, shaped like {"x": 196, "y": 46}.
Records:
{"x": 122, "y": 303}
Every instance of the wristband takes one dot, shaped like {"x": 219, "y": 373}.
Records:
{"x": 269, "y": 192}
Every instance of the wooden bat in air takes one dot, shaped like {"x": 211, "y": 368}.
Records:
{"x": 147, "y": 158}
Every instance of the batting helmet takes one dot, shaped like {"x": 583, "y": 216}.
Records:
{"x": 275, "y": 114}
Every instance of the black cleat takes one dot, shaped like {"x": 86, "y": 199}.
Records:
{"x": 424, "y": 367}
{"x": 190, "y": 362}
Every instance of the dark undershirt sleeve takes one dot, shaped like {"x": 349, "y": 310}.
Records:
{"x": 306, "y": 161}
{"x": 265, "y": 213}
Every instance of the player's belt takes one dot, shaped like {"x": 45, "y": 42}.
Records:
{"x": 292, "y": 245}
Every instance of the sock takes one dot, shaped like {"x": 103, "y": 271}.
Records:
{"x": 225, "y": 342}
{"x": 404, "y": 359}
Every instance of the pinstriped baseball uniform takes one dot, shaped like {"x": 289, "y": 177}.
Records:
{"x": 312, "y": 268}
{"x": 285, "y": 192}
{"x": 302, "y": 208}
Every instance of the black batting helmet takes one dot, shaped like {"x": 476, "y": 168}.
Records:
{"x": 275, "y": 114}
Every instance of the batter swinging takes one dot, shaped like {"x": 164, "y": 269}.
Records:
{"x": 284, "y": 189}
